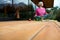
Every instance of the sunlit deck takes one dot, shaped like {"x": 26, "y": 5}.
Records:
{"x": 30, "y": 30}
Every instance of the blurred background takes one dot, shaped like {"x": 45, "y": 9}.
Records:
{"x": 25, "y": 9}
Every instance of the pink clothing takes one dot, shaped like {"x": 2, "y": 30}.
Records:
{"x": 40, "y": 12}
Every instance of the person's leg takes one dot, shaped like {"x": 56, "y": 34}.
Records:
{"x": 37, "y": 18}
{"x": 42, "y": 18}
{"x": 46, "y": 16}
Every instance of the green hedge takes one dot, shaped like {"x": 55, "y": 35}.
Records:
{"x": 55, "y": 15}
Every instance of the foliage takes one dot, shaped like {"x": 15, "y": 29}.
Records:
{"x": 26, "y": 14}
{"x": 55, "y": 13}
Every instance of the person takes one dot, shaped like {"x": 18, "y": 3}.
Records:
{"x": 40, "y": 12}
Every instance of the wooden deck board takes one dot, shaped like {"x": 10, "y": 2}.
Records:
{"x": 29, "y": 30}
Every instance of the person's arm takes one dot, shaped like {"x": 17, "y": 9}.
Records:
{"x": 35, "y": 13}
{"x": 45, "y": 12}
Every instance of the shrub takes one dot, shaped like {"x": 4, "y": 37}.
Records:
{"x": 26, "y": 14}
{"x": 55, "y": 13}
